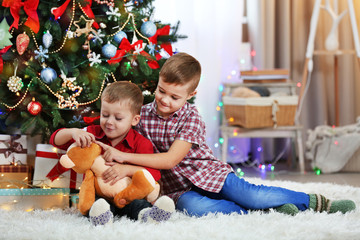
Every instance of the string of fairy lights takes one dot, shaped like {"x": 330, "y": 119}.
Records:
{"x": 242, "y": 160}
{"x": 70, "y": 102}
{"x": 22, "y": 185}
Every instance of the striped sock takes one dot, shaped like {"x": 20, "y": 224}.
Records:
{"x": 319, "y": 203}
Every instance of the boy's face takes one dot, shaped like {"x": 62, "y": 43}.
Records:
{"x": 171, "y": 97}
{"x": 116, "y": 119}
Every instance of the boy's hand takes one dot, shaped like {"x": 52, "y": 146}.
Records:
{"x": 115, "y": 173}
{"x": 110, "y": 154}
{"x": 83, "y": 138}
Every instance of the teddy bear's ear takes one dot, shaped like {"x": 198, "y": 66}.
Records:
{"x": 66, "y": 162}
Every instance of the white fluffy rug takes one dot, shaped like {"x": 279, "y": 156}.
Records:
{"x": 69, "y": 224}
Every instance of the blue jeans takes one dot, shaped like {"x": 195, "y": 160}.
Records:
{"x": 238, "y": 195}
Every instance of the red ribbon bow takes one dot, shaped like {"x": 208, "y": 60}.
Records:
{"x": 166, "y": 46}
{"x": 12, "y": 147}
{"x": 126, "y": 47}
{"x": 87, "y": 9}
{"x": 30, "y": 7}
{"x": 2, "y": 51}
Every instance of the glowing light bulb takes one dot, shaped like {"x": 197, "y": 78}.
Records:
{"x": 221, "y": 140}
{"x": 221, "y": 88}
{"x": 298, "y": 84}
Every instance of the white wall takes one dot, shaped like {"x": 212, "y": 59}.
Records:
{"x": 214, "y": 36}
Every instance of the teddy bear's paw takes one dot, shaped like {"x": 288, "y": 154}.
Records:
{"x": 100, "y": 213}
{"x": 160, "y": 212}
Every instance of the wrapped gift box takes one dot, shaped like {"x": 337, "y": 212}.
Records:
{"x": 13, "y": 149}
{"x": 47, "y": 167}
{"x": 15, "y": 176}
{"x": 34, "y": 198}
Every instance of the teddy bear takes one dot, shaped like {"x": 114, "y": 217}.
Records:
{"x": 90, "y": 162}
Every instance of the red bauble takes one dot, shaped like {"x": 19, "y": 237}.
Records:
{"x": 22, "y": 42}
{"x": 34, "y": 108}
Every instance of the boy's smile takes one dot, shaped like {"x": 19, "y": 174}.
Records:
{"x": 170, "y": 97}
{"x": 116, "y": 119}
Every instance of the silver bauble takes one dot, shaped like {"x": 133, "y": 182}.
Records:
{"x": 48, "y": 75}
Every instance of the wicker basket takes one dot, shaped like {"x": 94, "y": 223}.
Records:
{"x": 260, "y": 112}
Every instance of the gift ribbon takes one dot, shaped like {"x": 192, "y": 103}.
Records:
{"x": 3, "y": 51}
{"x": 58, "y": 169}
{"x": 30, "y": 7}
{"x": 12, "y": 147}
{"x": 59, "y": 11}
{"x": 136, "y": 48}
{"x": 12, "y": 168}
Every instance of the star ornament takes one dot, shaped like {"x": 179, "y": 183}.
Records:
{"x": 86, "y": 30}
{"x": 95, "y": 58}
{"x": 139, "y": 48}
{"x": 98, "y": 35}
{"x": 113, "y": 13}
{"x": 41, "y": 53}
{"x": 4, "y": 34}
{"x": 71, "y": 101}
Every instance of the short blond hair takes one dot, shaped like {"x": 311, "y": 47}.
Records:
{"x": 181, "y": 68}
{"x": 124, "y": 91}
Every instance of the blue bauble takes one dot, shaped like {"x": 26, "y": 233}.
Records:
{"x": 148, "y": 28}
{"x": 48, "y": 75}
{"x": 108, "y": 50}
{"x": 119, "y": 36}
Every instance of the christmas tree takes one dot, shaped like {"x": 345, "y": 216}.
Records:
{"x": 57, "y": 56}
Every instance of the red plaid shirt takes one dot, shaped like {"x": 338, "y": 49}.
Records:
{"x": 199, "y": 167}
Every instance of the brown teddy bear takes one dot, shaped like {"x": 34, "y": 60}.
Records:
{"x": 89, "y": 161}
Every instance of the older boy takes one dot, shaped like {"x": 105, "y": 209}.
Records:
{"x": 191, "y": 175}
{"x": 120, "y": 111}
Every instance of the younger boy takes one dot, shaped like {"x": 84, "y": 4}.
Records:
{"x": 120, "y": 111}
{"x": 191, "y": 175}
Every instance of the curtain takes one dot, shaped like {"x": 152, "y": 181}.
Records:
{"x": 319, "y": 102}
